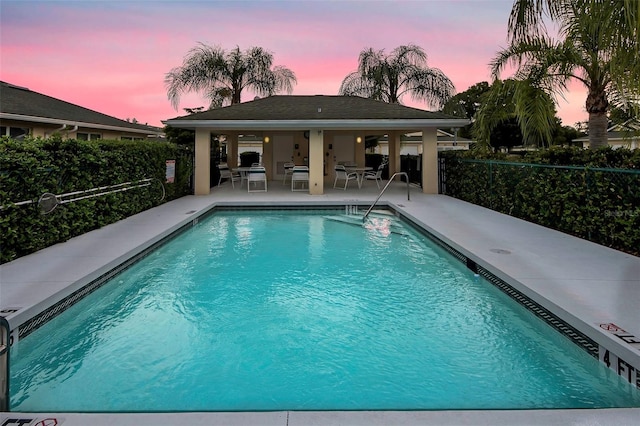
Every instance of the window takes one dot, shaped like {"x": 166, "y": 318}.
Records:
{"x": 14, "y": 132}
{"x": 88, "y": 136}
{"x": 130, "y": 138}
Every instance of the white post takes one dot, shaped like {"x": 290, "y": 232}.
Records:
{"x": 430, "y": 160}
{"x": 316, "y": 158}
{"x": 202, "y": 178}
{"x": 394, "y": 152}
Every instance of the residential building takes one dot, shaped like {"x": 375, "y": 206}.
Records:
{"x": 25, "y": 112}
{"x": 625, "y": 135}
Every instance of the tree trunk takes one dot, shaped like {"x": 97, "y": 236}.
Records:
{"x": 597, "y": 106}
{"x": 597, "y": 130}
{"x": 235, "y": 97}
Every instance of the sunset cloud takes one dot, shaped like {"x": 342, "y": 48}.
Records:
{"x": 112, "y": 56}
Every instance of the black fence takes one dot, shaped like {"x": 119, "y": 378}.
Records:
{"x": 412, "y": 165}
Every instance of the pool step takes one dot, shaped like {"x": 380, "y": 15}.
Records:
{"x": 383, "y": 222}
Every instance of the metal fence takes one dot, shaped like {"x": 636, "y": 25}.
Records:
{"x": 598, "y": 204}
{"x": 411, "y": 165}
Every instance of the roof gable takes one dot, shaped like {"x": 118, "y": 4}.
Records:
{"x": 318, "y": 107}
{"x": 20, "y": 101}
{"x": 632, "y": 124}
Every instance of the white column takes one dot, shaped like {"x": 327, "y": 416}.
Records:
{"x": 430, "y": 161}
{"x": 394, "y": 152}
{"x": 232, "y": 150}
{"x": 202, "y": 184}
{"x": 267, "y": 156}
{"x": 360, "y": 149}
{"x": 316, "y": 157}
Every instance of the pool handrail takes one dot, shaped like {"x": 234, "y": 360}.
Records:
{"x": 364, "y": 218}
{"x": 4, "y": 365}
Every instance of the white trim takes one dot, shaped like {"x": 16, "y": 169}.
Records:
{"x": 33, "y": 119}
{"x": 336, "y": 124}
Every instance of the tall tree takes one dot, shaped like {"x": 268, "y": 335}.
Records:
{"x": 222, "y": 76}
{"x": 389, "y": 77}
{"x": 465, "y": 105}
{"x": 597, "y": 45}
{"x": 512, "y": 102}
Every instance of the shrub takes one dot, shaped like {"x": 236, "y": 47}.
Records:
{"x": 34, "y": 166}
{"x": 592, "y": 194}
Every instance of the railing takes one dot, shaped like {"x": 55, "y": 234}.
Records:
{"x": 384, "y": 189}
{"x": 48, "y": 202}
{"x": 4, "y": 365}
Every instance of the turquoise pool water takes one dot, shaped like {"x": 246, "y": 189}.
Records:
{"x": 301, "y": 311}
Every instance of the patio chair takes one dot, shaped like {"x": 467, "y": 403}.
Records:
{"x": 288, "y": 167}
{"x": 342, "y": 174}
{"x": 226, "y": 173}
{"x": 299, "y": 175}
{"x": 255, "y": 176}
{"x": 377, "y": 175}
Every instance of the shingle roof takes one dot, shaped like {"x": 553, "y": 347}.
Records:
{"x": 24, "y": 102}
{"x": 319, "y": 107}
{"x": 612, "y": 136}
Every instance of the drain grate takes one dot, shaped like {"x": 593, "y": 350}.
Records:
{"x": 585, "y": 342}
{"x": 576, "y": 336}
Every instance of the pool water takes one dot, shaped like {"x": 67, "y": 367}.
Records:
{"x": 281, "y": 310}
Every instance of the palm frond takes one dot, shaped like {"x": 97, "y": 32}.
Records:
{"x": 497, "y": 106}
{"x": 388, "y": 77}
{"x": 224, "y": 75}
{"x": 431, "y": 86}
{"x": 284, "y": 79}
{"x": 527, "y": 17}
{"x": 354, "y": 85}
{"x": 535, "y": 113}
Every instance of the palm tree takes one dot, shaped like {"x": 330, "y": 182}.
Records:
{"x": 509, "y": 99}
{"x": 598, "y": 47}
{"x": 222, "y": 76}
{"x": 388, "y": 77}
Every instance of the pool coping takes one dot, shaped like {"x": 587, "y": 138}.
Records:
{"x": 184, "y": 211}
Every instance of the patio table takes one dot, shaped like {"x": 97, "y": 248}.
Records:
{"x": 359, "y": 171}
{"x": 243, "y": 173}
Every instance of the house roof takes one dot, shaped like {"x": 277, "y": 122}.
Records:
{"x": 20, "y": 103}
{"x": 612, "y": 136}
{"x": 624, "y": 131}
{"x": 632, "y": 124}
{"x": 320, "y": 111}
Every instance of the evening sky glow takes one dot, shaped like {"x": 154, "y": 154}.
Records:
{"x": 112, "y": 56}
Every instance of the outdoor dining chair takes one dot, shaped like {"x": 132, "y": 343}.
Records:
{"x": 226, "y": 173}
{"x": 288, "y": 168}
{"x": 299, "y": 178}
{"x": 377, "y": 175}
{"x": 342, "y": 174}
{"x": 256, "y": 176}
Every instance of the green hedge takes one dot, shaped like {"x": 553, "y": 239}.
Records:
{"x": 33, "y": 166}
{"x": 594, "y": 195}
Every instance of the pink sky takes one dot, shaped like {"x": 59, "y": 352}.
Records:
{"x": 112, "y": 56}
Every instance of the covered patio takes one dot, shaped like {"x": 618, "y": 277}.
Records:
{"x": 319, "y": 131}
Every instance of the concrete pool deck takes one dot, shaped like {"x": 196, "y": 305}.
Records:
{"x": 584, "y": 284}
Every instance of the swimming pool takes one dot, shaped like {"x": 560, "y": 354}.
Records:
{"x": 277, "y": 310}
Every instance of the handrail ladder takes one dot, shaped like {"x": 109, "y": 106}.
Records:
{"x": 384, "y": 189}
{"x": 4, "y": 364}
